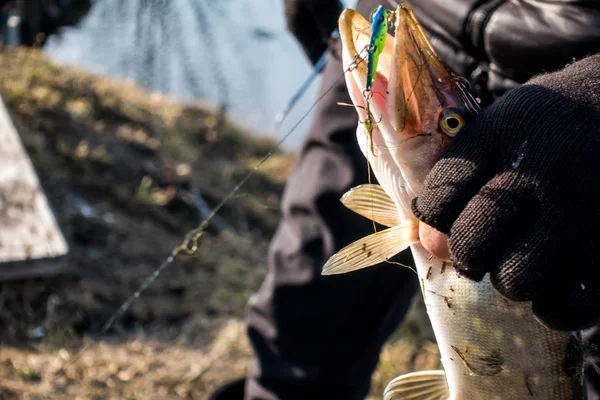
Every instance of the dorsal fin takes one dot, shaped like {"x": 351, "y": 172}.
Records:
{"x": 424, "y": 385}
{"x": 372, "y": 202}
{"x": 372, "y": 249}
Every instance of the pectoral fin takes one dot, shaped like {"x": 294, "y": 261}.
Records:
{"x": 425, "y": 385}
{"x": 371, "y": 250}
{"x": 372, "y": 202}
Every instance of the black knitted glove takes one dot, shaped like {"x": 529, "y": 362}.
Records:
{"x": 518, "y": 193}
{"x": 311, "y": 22}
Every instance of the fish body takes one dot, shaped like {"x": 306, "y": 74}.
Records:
{"x": 491, "y": 347}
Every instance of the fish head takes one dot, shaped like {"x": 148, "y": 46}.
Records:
{"x": 416, "y": 104}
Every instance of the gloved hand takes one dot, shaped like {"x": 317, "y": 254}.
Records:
{"x": 311, "y": 22}
{"x": 518, "y": 193}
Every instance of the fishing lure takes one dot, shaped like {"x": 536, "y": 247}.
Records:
{"x": 379, "y": 28}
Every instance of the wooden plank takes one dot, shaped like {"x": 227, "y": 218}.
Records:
{"x": 28, "y": 229}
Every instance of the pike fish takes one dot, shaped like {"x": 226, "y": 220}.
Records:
{"x": 491, "y": 348}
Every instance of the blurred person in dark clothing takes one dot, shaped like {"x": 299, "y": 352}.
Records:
{"x": 37, "y": 19}
{"x": 320, "y": 336}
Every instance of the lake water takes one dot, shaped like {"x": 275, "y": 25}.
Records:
{"x": 233, "y": 51}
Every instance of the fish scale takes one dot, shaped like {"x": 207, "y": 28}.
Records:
{"x": 474, "y": 320}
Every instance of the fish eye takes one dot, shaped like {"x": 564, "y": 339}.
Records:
{"x": 451, "y": 121}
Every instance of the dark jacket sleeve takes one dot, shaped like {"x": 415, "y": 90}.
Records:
{"x": 511, "y": 40}
{"x": 311, "y": 22}
{"x": 525, "y": 38}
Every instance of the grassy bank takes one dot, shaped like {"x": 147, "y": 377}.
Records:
{"x": 126, "y": 173}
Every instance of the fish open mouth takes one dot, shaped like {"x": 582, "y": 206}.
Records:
{"x": 411, "y": 91}
{"x": 410, "y": 81}
{"x": 355, "y": 33}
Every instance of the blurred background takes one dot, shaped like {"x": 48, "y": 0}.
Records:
{"x": 233, "y": 52}
{"x": 138, "y": 117}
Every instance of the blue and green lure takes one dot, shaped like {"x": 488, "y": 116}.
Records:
{"x": 379, "y": 28}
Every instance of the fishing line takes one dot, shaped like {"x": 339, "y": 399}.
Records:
{"x": 368, "y": 123}
{"x": 189, "y": 245}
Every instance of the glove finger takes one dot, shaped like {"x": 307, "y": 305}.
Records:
{"x": 518, "y": 274}
{"x": 464, "y": 167}
{"x": 489, "y": 224}
{"x": 568, "y": 303}
{"x": 534, "y": 251}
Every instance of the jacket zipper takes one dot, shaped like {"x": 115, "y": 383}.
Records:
{"x": 473, "y": 40}
{"x": 476, "y": 23}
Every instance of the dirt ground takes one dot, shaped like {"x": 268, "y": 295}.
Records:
{"x": 127, "y": 174}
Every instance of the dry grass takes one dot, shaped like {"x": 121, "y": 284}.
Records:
{"x": 119, "y": 167}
